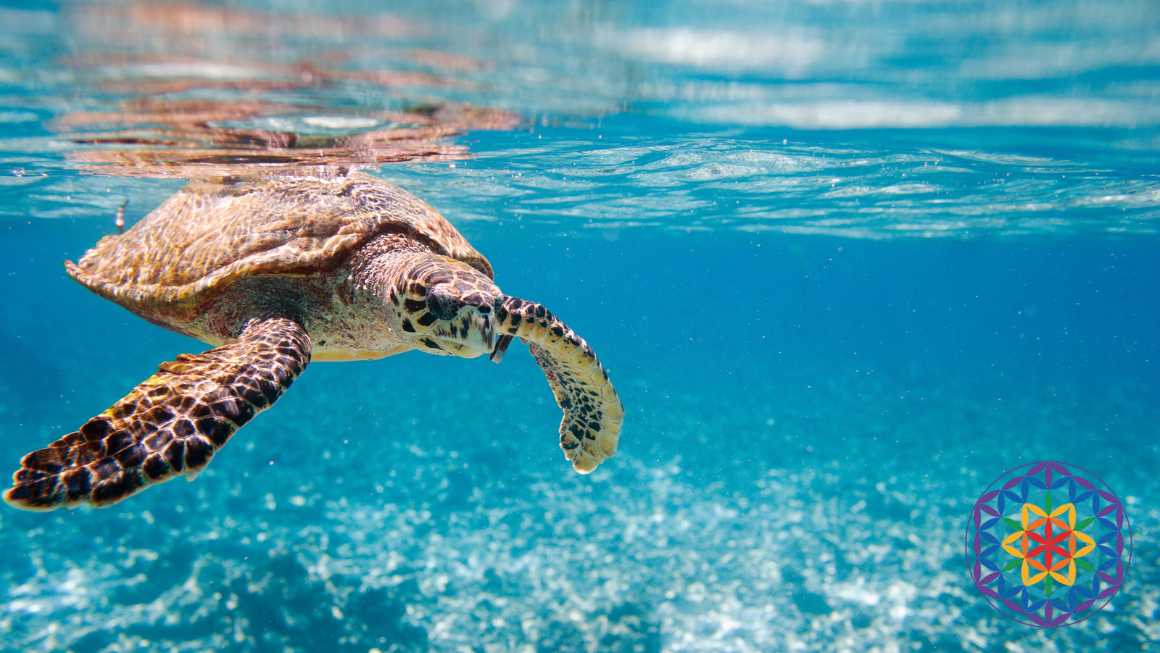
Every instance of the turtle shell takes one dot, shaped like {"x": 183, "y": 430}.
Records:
{"x": 178, "y": 258}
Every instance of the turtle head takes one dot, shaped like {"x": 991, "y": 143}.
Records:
{"x": 446, "y": 307}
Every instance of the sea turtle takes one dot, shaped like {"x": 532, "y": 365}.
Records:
{"x": 277, "y": 273}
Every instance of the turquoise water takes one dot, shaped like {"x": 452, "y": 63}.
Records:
{"x": 846, "y": 264}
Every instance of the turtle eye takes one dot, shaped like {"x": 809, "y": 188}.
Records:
{"x": 441, "y": 303}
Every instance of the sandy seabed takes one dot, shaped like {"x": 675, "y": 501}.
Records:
{"x": 767, "y": 515}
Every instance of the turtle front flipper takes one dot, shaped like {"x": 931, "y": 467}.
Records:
{"x": 593, "y": 414}
{"x": 171, "y": 424}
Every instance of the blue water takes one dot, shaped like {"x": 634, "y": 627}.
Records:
{"x": 845, "y": 263}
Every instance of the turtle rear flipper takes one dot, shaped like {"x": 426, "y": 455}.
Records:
{"x": 593, "y": 414}
{"x": 171, "y": 424}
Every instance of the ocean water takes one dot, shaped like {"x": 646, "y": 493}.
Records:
{"x": 845, "y": 262}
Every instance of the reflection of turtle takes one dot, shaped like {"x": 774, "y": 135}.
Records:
{"x": 276, "y": 274}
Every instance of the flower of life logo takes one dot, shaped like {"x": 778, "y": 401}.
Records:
{"x": 1051, "y": 546}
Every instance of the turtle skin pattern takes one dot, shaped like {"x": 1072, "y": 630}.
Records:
{"x": 171, "y": 424}
{"x": 593, "y": 414}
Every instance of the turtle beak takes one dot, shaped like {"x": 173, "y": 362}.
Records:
{"x": 501, "y": 345}
{"x": 469, "y": 334}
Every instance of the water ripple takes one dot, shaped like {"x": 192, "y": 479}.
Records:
{"x": 724, "y": 182}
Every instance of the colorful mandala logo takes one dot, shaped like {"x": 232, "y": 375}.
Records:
{"x": 1051, "y": 546}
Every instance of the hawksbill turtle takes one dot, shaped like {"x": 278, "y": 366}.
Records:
{"x": 275, "y": 274}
